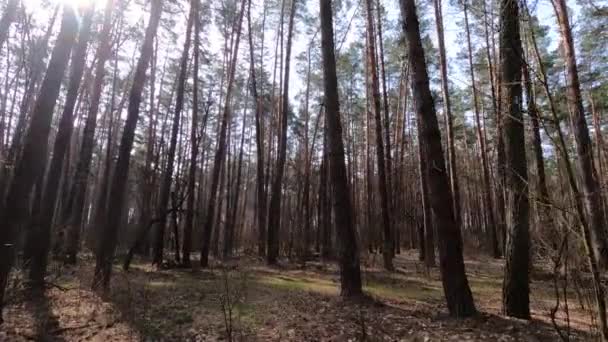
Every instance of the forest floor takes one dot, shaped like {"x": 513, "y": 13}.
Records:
{"x": 249, "y": 301}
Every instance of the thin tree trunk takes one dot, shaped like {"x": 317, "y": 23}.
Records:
{"x": 221, "y": 148}
{"x": 487, "y": 192}
{"x": 165, "y": 190}
{"x": 584, "y": 150}
{"x": 274, "y": 222}
{"x": 387, "y": 126}
{"x": 229, "y": 239}
{"x": 387, "y": 250}
{"x": 541, "y": 178}
{"x": 189, "y": 224}
{"x": 447, "y": 110}
{"x": 109, "y": 236}
{"x": 259, "y": 141}
{"x": 578, "y": 201}
{"x": 75, "y": 202}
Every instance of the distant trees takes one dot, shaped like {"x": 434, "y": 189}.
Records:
{"x": 165, "y": 190}
{"x": 486, "y": 181}
{"x": 274, "y": 218}
{"x": 195, "y": 141}
{"x": 160, "y": 139}
{"x": 74, "y": 206}
{"x": 383, "y": 171}
{"x": 221, "y": 145}
{"x": 109, "y": 234}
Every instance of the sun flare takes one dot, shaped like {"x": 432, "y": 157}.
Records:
{"x": 41, "y": 6}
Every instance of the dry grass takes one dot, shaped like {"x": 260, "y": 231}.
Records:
{"x": 279, "y": 303}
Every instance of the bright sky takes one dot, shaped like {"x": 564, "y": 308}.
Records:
{"x": 452, "y": 17}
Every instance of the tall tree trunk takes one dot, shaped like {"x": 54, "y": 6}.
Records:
{"x": 455, "y": 284}
{"x": 325, "y": 201}
{"x": 350, "y": 273}
{"x": 39, "y": 237}
{"x": 189, "y": 224}
{"x": 75, "y": 202}
{"x": 307, "y": 161}
{"x": 500, "y": 145}
{"x": 487, "y": 192}
{"x": 30, "y": 167}
{"x": 386, "y": 121}
{"x": 259, "y": 143}
{"x": 109, "y": 235}
{"x": 541, "y": 178}
{"x": 387, "y": 250}
{"x": 516, "y": 286}
{"x": 447, "y": 110}
{"x": 102, "y": 197}
{"x": 221, "y": 147}
{"x": 165, "y": 190}
{"x": 584, "y": 149}
{"x": 274, "y": 222}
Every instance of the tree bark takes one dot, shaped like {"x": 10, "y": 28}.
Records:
{"x": 578, "y": 200}
{"x": 455, "y": 284}
{"x": 350, "y": 273}
{"x": 487, "y": 188}
{"x": 109, "y": 235}
{"x": 516, "y": 285}
{"x": 447, "y": 110}
{"x": 259, "y": 142}
{"x": 31, "y": 81}
{"x": 274, "y": 219}
{"x": 189, "y": 224}
{"x": 229, "y": 237}
{"x": 75, "y": 202}
{"x": 427, "y": 241}
{"x": 40, "y": 235}
{"x": 30, "y": 166}
{"x": 584, "y": 150}
{"x": 387, "y": 250}
{"x": 386, "y": 121}
{"x": 541, "y": 178}
{"x": 165, "y": 190}
{"x": 221, "y": 148}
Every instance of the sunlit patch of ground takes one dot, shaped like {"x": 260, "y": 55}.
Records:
{"x": 253, "y": 302}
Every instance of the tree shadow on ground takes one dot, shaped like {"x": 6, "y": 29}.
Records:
{"x": 46, "y": 324}
{"x": 304, "y": 304}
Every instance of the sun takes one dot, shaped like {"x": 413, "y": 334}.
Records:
{"x": 82, "y": 4}
{"x": 46, "y": 6}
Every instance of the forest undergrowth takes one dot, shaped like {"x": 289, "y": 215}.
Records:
{"x": 245, "y": 300}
